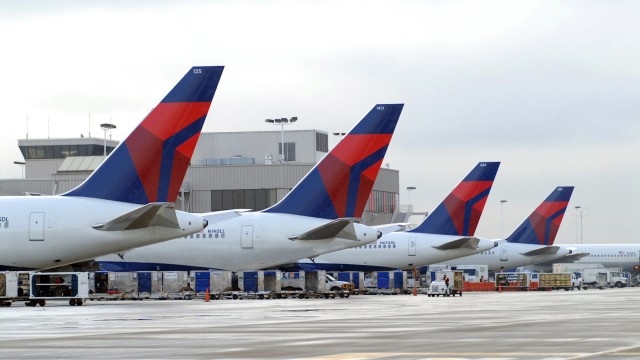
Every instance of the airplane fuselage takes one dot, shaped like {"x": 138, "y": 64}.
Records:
{"x": 623, "y": 256}
{"x": 249, "y": 241}
{"x": 41, "y": 232}
{"x": 508, "y": 256}
{"x": 396, "y": 250}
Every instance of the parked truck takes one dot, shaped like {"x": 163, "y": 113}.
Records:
{"x": 314, "y": 284}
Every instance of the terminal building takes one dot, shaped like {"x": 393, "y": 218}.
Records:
{"x": 231, "y": 170}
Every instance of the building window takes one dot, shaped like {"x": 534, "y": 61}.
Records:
{"x": 289, "y": 151}
{"x": 62, "y": 151}
{"x": 382, "y": 201}
{"x": 322, "y": 142}
{"x": 256, "y": 199}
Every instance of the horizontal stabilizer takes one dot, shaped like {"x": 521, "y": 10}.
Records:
{"x": 224, "y": 215}
{"x": 342, "y": 228}
{"x": 547, "y": 250}
{"x": 461, "y": 243}
{"x": 154, "y": 214}
{"x": 573, "y": 257}
{"x": 389, "y": 228}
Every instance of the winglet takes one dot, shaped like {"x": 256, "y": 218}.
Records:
{"x": 460, "y": 212}
{"x": 541, "y": 227}
{"x": 340, "y": 184}
{"x": 150, "y": 164}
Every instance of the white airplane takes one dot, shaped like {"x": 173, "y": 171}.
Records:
{"x": 316, "y": 217}
{"x": 127, "y": 201}
{"x": 445, "y": 234}
{"x": 623, "y": 256}
{"x": 532, "y": 241}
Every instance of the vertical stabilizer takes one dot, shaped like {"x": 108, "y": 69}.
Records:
{"x": 541, "y": 227}
{"x": 460, "y": 212}
{"x": 339, "y": 185}
{"x": 150, "y": 164}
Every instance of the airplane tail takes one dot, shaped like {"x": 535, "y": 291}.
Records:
{"x": 460, "y": 212}
{"x": 150, "y": 164}
{"x": 340, "y": 184}
{"x": 541, "y": 227}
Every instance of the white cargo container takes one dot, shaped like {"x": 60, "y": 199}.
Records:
{"x": 293, "y": 281}
{"x": 595, "y": 277}
{"x": 73, "y": 286}
{"x": 251, "y": 281}
{"x": 217, "y": 282}
{"x": 273, "y": 281}
{"x": 354, "y": 277}
{"x": 147, "y": 285}
{"x": 112, "y": 285}
{"x": 386, "y": 282}
{"x": 474, "y": 273}
{"x": 175, "y": 285}
{"x": 574, "y": 267}
{"x": 175, "y": 281}
{"x": 8, "y": 287}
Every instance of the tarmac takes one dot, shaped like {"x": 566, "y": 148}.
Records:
{"x": 585, "y": 324}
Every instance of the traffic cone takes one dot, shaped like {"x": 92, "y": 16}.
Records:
{"x": 206, "y": 295}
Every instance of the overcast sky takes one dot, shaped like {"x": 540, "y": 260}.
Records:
{"x": 549, "y": 88}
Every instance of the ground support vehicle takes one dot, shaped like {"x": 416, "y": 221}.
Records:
{"x": 73, "y": 286}
{"x": 215, "y": 282}
{"x": 112, "y": 285}
{"x": 354, "y": 277}
{"x": 438, "y": 285}
{"x": 313, "y": 284}
{"x": 557, "y": 281}
{"x": 516, "y": 281}
{"x": 8, "y": 287}
{"x": 386, "y": 283}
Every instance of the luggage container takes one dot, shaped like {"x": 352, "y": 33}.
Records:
{"x": 8, "y": 287}
{"x": 217, "y": 282}
{"x": 252, "y": 285}
{"x": 175, "y": 285}
{"x": 513, "y": 281}
{"x": 273, "y": 282}
{"x": 387, "y": 282}
{"x": 251, "y": 281}
{"x": 103, "y": 286}
{"x": 73, "y": 286}
{"x": 355, "y": 277}
{"x": 147, "y": 285}
{"x": 292, "y": 283}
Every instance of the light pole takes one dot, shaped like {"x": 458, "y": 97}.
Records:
{"x": 409, "y": 189}
{"x": 282, "y": 122}
{"x": 502, "y": 202}
{"x": 106, "y": 127}
{"x": 577, "y": 224}
{"x": 22, "y": 165}
{"x": 580, "y": 211}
